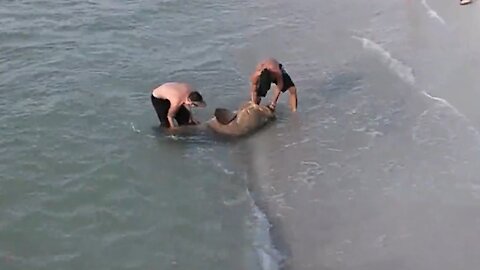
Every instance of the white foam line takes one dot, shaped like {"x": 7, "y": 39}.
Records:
{"x": 269, "y": 257}
{"x": 444, "y": 102}
{"x": 450, "y": 106}
{"x": 403, "y": 71}
{"x": 311, "y": 163}
{"x": 406, "y": 73}
{"x": 295, "y": 143}
{"x": 432, "y": 13}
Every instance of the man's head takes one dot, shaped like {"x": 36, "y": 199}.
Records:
{"x": 195, "y": 100}
{"x": 264, "y": 82}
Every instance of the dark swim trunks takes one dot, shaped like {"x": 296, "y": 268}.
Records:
{"x": 163, "y": 105}
{"x": 266, "y": 80}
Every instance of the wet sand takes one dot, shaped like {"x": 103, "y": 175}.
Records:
{"x": 378, "y": 168}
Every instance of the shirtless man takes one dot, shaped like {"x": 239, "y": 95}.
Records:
{"x": 267, "y": 72}
{"x": 172, "y": 99}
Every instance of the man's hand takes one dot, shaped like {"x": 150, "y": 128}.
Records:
{"x": 271, "y": 106}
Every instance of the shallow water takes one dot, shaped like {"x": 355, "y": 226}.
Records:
{"x": 87, "y": 180}
{"x": 377, "y": 170}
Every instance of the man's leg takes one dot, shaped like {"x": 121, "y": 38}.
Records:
{"x": 161, "y": 107}
{"x": 183, "y": 117}
{"x": 293, "y": 98}
{"x": 290, "y": 86}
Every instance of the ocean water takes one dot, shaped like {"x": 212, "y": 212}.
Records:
{"x": 377, "y": 169}
{"x": 87, "y": 179}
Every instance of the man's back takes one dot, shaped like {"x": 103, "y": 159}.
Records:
{"x": 173, "y": 91}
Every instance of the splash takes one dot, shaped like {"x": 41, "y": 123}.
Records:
{"x": 134, "y": 129}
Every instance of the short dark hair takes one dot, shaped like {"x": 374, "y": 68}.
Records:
{"x": 265, "y": 80}
{"x": 195, "y": 97}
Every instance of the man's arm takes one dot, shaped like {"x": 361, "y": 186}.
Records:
{"x": 192, "y": 120}
{"x": 172, "y": 111}
{"x": 253, "y": 88}
{"x": 253, "y": 95}
{"x": 278, "y": 90}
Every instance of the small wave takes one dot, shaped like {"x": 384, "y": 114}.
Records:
{"x": 134, "y": 129}
{"x": 235, "y": 201}
{"x": 311, "y": 163}
{"x": 445, "y": 103}
{"x": 269, "y": 257}
{"x": 432, "y": 13}
{"x": 403, "y": 71}
{"x": 224, "y": 169}
{"x": 424, "y": 133}
{"x": 266, "y": 256}
{"x": 298, "y": 142}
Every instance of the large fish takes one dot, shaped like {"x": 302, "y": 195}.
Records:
{"x": 249, "y": 118}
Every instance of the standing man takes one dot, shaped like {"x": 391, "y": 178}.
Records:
{"x": 172, "y": 100}
{"x": 267, "y": 72}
